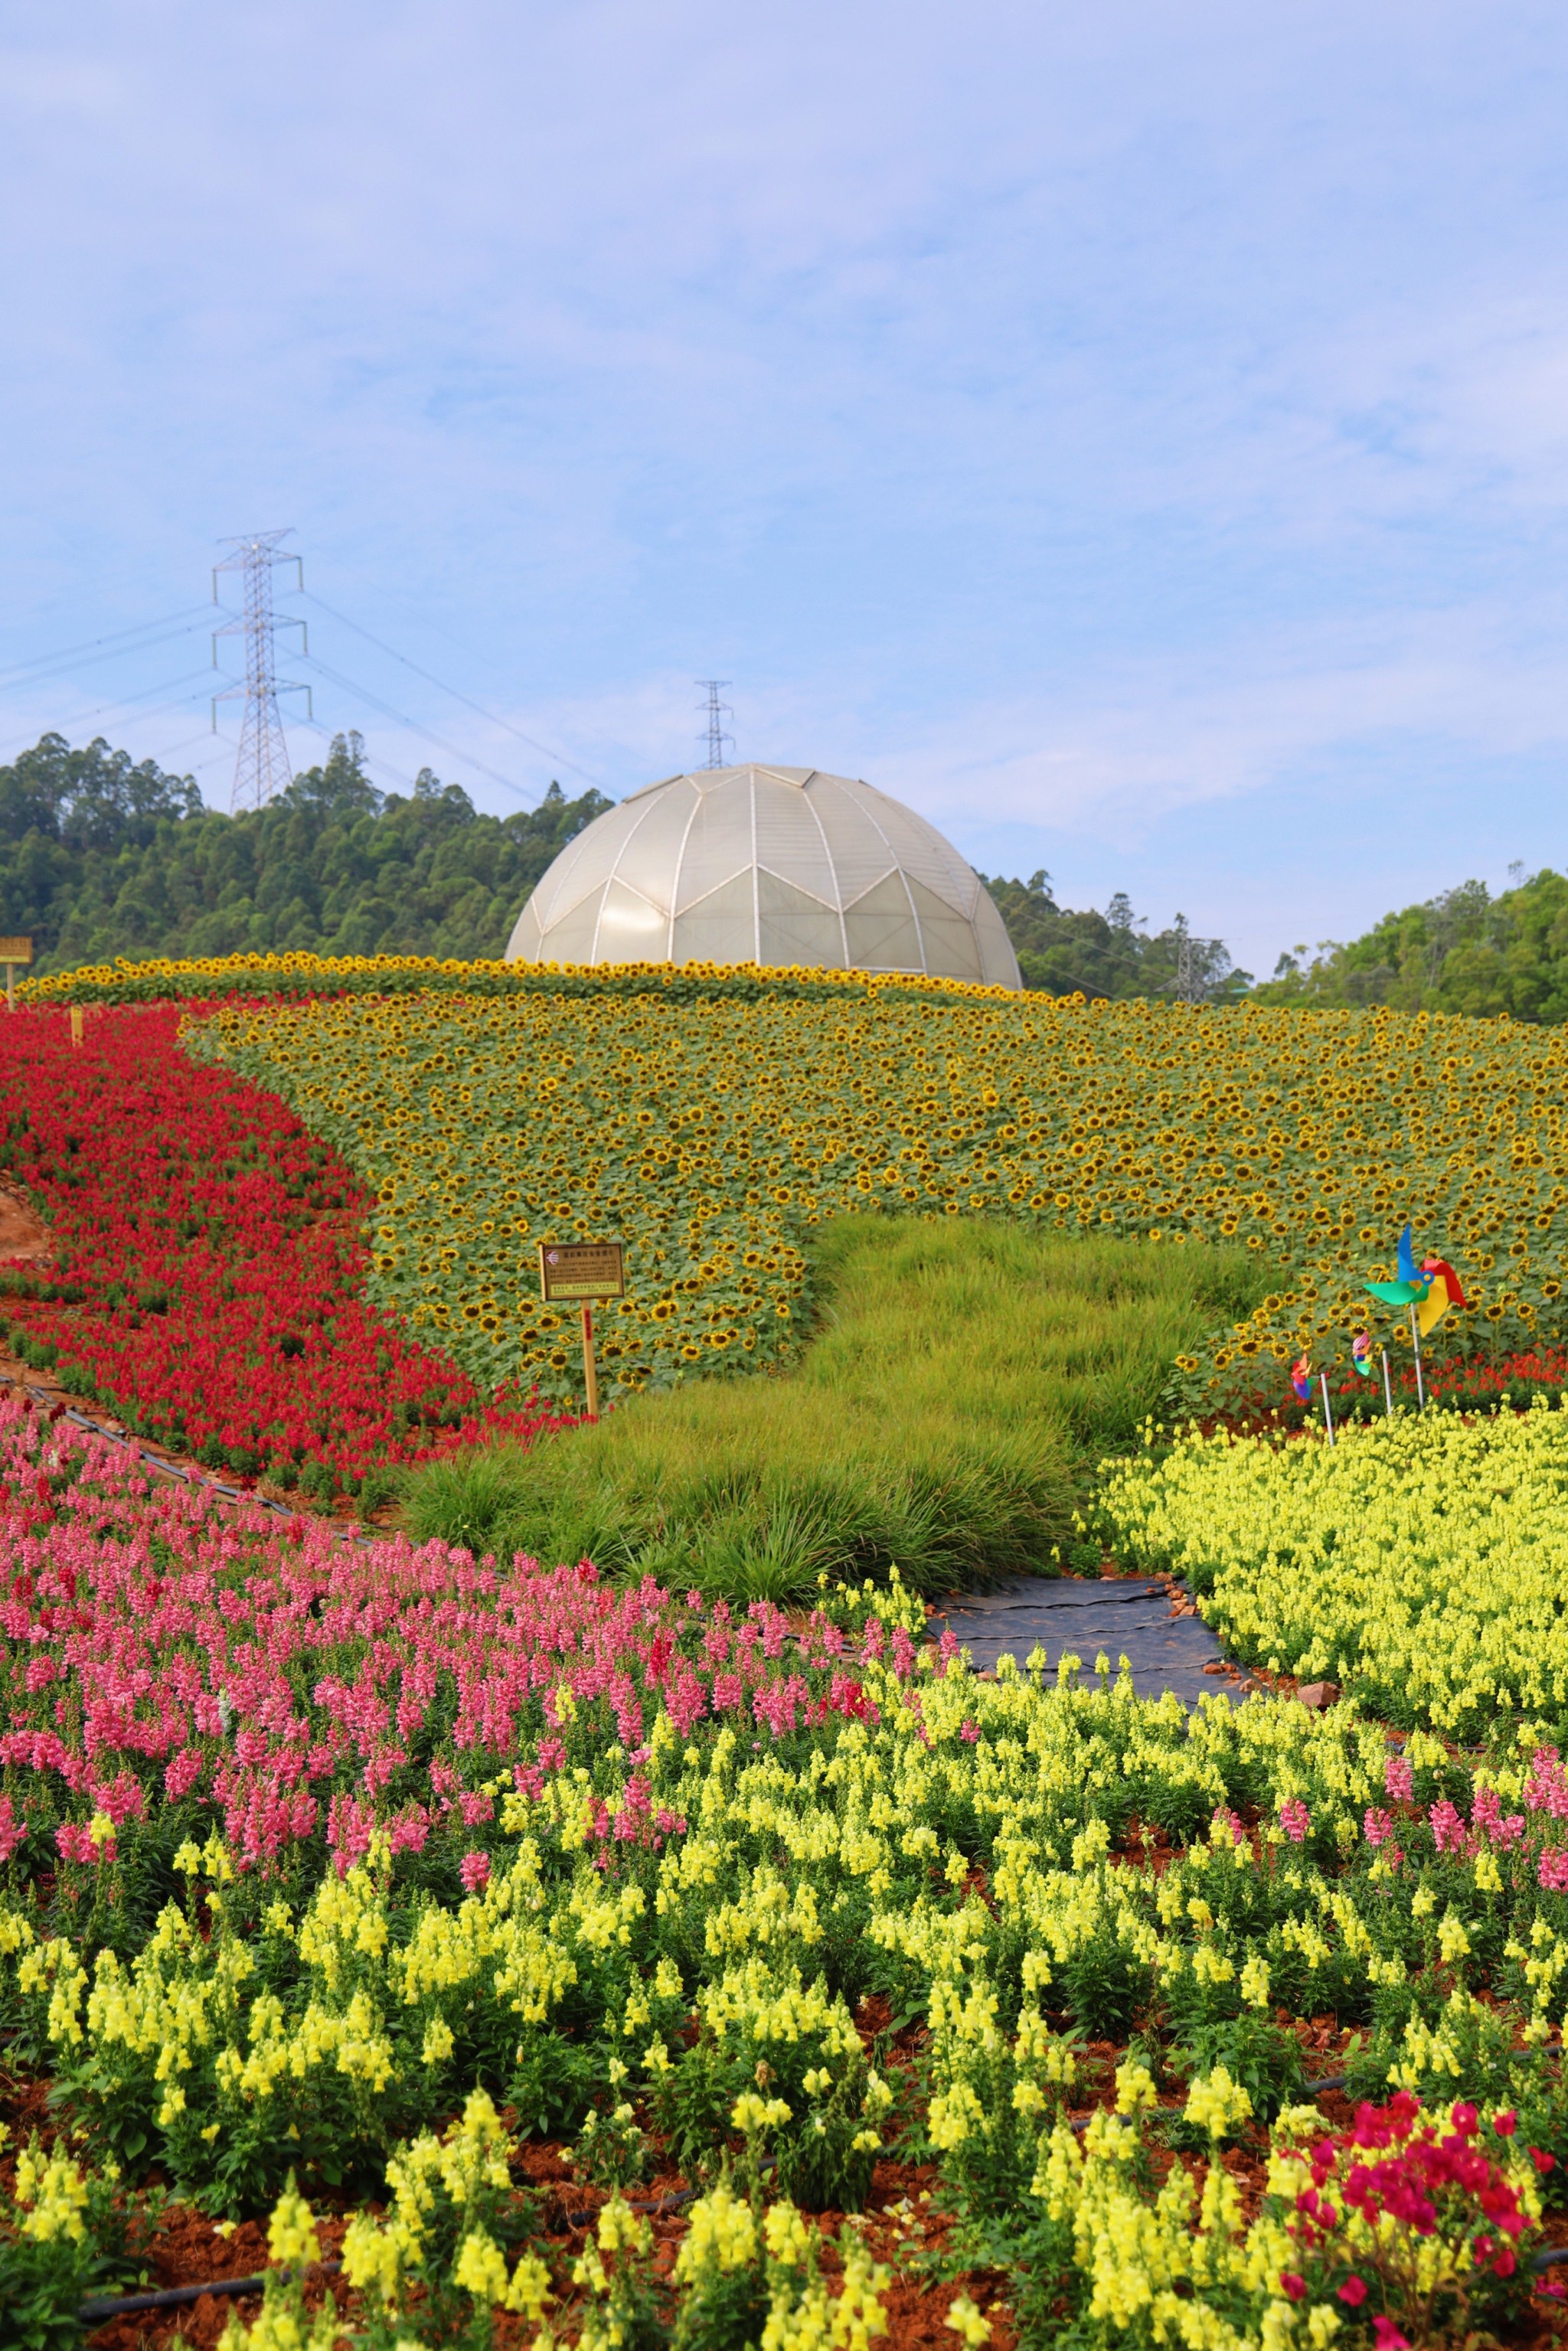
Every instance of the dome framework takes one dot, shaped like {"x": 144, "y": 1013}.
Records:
{"x": 766, "y": 865}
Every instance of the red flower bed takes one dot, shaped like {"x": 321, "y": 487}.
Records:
{"x": 207, "y": 1274}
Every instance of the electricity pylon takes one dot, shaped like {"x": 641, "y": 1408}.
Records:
{"x": 262, "y": 765}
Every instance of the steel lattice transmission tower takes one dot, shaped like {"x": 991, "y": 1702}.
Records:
{"x": 717, "y": 712}
{"x": 262, "y": 765}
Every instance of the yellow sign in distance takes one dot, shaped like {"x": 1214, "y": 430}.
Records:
{"x": 12, "y": 953}
{"x": 580, "y": 1269}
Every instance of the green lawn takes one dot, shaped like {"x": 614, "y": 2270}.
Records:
{"x": 963, "y": 1381}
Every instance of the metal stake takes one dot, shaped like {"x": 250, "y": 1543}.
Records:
{"x": 1420, "y": 1383}
{"x": 1388, "y": 1389}
{"x": 1328, "y": 1416}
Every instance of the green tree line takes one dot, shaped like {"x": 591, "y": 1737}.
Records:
{"x": 1463, "y": 951}
{"x": 101, "y": 857}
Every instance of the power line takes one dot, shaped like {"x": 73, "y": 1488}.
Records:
{"x": 32, "y": 672}
{"x": 129, "y": 702}
{"x": 557, "y": 758}
{"x": 402, "y": 719}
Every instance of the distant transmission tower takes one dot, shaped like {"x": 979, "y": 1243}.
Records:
{"x": 717, "y": 712}
{"x": 262, "y": 766}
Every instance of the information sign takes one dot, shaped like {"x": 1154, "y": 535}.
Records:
{"x": 580, "y": 1269}
{"x": 14, "y": 951}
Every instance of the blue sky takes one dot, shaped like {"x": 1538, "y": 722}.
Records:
{"x": 1136, "y": 436}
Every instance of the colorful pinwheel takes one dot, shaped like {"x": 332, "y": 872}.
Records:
{"x": 1430, "y": 1289}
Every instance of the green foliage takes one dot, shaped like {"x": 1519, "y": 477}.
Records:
{"x": 611, "y": 2150}
{"x": 1463, "y": 951}
{"x": 99, "y": 858}
{"x": 1255, "y": 2052}
{"x": 1110, "y": 955}
{"x": 64, "y": 2236}
{"x": 965, "y": 1378}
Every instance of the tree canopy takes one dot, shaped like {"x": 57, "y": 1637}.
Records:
{"x": 1113, "y": 954}
{"x": 1463, "y": 951}
{"x": 102, "y": 858}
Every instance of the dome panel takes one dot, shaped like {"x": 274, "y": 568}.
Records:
{"x": 860, "y": 848}
{"x": 951, "y": 948}
{"x": 581, "y": 866}
{"x": 880, "y": 929}
{"x": 794, "y": 927}
{"x": 746, "y": 863}
{"x": 721, "y": 927}
{"x": 719, "y": 842}
{"x": 648, "y": 855}
{"x": 924, "y": 854}
{"x": 630, "y": 929}
{"x": 790, "y": 840}
{"x": 523, "y": 947}
{"x": 998, "y": 960}
{"x": 571, "y": 939}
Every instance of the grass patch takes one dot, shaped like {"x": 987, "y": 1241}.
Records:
{"x": 963, "y": 1381}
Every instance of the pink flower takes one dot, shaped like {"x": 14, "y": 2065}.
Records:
{"x": 1398, "y": 1780}
{"x": 475, "y": 1871}
{"x": 1505, "y": 2125}
{"x": 13, "y": 1831}
{"x": 1353, "y": 2291}
{"x": 970, "y": 1730}
{"x": 1294, "y": 1819}
{"x": 1448, "y": 1828}
{"x": 1293, "y": 2286}
{"x": 1387, "y": 2335}
{"x": 1379, "y": 1826}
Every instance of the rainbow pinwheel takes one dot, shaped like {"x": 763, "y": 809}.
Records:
{"x": 1430, "y": 1289}
{"x": 1361, "y": 1354}
{"x": 1301, "y": 1378}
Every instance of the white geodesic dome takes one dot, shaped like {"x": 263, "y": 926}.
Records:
{"x": 766, "y": 865}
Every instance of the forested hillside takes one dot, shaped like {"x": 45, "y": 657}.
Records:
{"x": 101, "y": 857}
{"x": 1465, "y": 951}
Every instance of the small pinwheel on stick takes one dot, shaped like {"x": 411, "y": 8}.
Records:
{"x": 1302, "y": 1381}
{"x": 1428, "y": 1290}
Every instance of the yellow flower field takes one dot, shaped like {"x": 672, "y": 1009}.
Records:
{"x": 1419, "y": 1561}
{"x": 710, "y": 1127}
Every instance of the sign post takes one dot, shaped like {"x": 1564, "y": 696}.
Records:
{"x": 12, "y": 953}
{"x": 582, "y": 1271}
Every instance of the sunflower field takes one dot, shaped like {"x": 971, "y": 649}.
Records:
{"x": 709, "y": 1127}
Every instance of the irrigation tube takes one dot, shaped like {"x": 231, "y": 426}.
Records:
{"x": 175, "y": 2297}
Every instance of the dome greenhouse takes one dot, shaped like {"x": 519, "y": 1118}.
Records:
{"x": 766, "y": 865}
